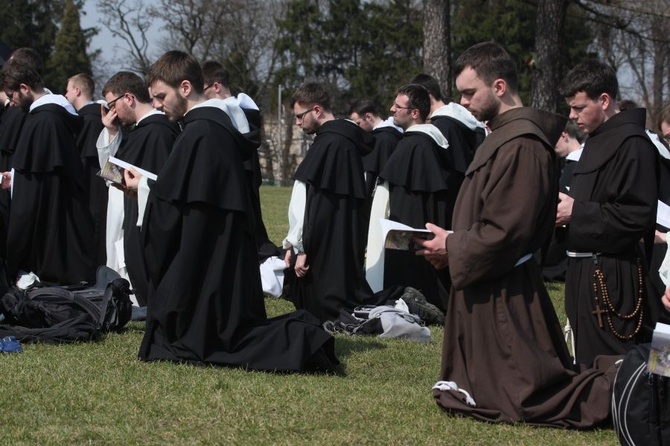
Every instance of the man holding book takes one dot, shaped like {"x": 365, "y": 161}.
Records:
{"x": 146, "y": 143}
{"x": 50, "y": 229}
{"x": 206, "y": 303}
{"x": 504, "y": 356}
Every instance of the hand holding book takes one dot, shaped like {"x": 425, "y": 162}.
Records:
{"x": 399, "y": 236}
{"x": 123, "y": 175}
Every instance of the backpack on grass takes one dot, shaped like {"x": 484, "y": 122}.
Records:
{"x": 640, "y": 402}
{"x": 67, "y": 314}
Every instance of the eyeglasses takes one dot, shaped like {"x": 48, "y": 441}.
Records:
{"x": 208, "y": 87}
{"x": 299, "y": 116}
{"x": 111, "y": 103}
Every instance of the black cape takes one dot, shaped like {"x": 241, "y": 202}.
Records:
{"x": 555, "y": 259}
{"x": 206, "y": 303}
{"x": 11, "y": 123}
{"x": 50, "y": 229}
{"x": 386, "y": 139}
{"x": 615, "y": 192}
{"x": 93, "y": 184}
{"x": 147, "y": 145}
{"x": 463, "y": 142}
{"x": 418, "y": 176}
{"x": 335, "y": 222}
{"x": 655, "y": 285}
{"x": 252, "y": 166}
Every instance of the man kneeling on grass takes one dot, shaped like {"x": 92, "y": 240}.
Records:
{"x": 504, "y": 358}
{"x": 206, "y": 302}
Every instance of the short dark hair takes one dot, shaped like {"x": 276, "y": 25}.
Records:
{"x": 214, "y": 71}
{"x": 363, "y": 106}
{"x": 127, "y": 82}
{"x": 174, "y": 67}
{"x": 429, "y": 83}
{"x": 312, "y": 93}
{"x": 627, "y": 104}
{"x": 418, "y": 98}
{"x": 15, "y": 73}
{"x": 572, "y": 129}
{"x": 30, "y": 57}
{"x": 491, "y": 62}
{"x": 84, "y": 82}
{"x": 592, "y": 77}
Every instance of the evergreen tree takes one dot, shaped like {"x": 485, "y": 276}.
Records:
{"x": 69, "y": 56}
{"x": 30, "y": 23}
{"x": 358, "y": 49}
{"x": 512, "y": 23}
{"x": 394, "y": 53}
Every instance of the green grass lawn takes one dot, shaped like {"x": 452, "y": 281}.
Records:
{"x": 101, "y": 394}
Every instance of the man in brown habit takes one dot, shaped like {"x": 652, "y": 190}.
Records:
{"x": 504, "y": 358}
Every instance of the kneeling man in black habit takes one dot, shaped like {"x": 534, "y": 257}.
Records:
{"x": 205, "y": 302}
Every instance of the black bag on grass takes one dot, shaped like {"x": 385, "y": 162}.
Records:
{"x": 640, "y": 402}
{"x": 67, "y": 314}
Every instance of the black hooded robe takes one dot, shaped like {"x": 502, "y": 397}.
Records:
{"x": 335, "y": 222}
{"x": 419, "y": 192}
{"x": 147, "y": 145}
{"x": 386, "y": 140}
{"x": 93, "y": 184}
{"x": 252, "y": 166}
{"x": 206, "y": 303}
{"x": 50, "y": 229}
{"x": 615, "y": 188}
{"x": 11, "y": 123}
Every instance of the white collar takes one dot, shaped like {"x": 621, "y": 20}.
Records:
{"x": 57, "y": 99}
{"x": 432, "y": 131}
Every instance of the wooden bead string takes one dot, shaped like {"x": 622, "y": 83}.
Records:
{"x": 599, "y": 287}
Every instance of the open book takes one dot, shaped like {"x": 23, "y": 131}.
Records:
{"x": 114, "y": 167}
{"x": 399, "y": 236}
{"x": 659, "y": 356}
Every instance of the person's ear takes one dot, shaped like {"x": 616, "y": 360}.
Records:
{"x": 605, "y": 100}
{"x": 499, "y": 87}
{"x": 185, "y": 88}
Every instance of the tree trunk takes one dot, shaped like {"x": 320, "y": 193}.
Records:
{"x": 658, "y": 31}
{"x": 546, "y": 62}
{"x": 437, "y": 43}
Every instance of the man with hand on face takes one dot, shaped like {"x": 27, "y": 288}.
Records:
{"x": 147, "y": 143}
{"x": 504, "y": 358}
{"x": 206, "y": 303}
